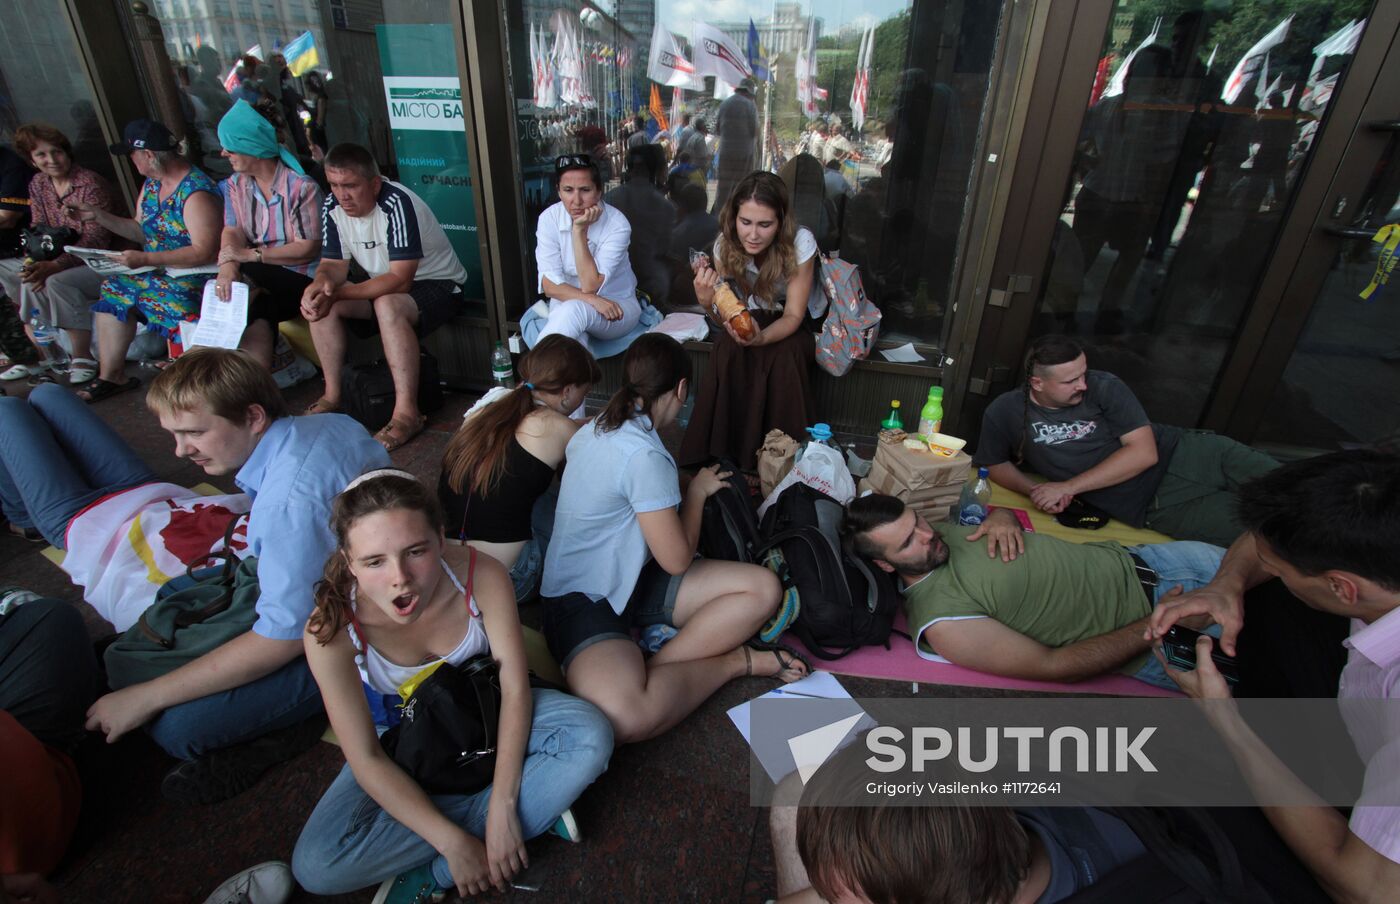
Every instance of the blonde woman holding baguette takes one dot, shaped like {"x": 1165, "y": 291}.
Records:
{"x": 757, "y": 380}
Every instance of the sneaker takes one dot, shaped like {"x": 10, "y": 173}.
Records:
{"x": 566, "y": 827}
{"x": 27, "y": 533}
{"x": 13, "y": 597}
{"x": 266, "y": 883}
{"x": 417, "y": 886}
{"x": 224, "y": 773}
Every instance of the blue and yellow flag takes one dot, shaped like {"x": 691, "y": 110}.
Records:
{"x": 301, "y": 54}
{"x": 758, "y": 57}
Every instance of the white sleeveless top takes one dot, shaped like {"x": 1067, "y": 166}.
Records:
{"x": 387, "y": 677}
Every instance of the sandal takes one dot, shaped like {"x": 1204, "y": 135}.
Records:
{"x": 100, "y": 389}
{"x": 81, "y": 370}
{"x": 786, "y": 663}
{"x": 396, "y": 433}
{"x": 19, "y": 372}
{"x": 322, "y": 406}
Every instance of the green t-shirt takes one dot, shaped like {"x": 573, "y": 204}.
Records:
{"x": 1057, "y": 593}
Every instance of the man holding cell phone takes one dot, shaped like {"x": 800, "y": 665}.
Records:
{"x": 1329, "y": 528}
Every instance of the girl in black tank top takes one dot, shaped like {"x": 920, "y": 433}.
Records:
{"x": 490, "y": 481}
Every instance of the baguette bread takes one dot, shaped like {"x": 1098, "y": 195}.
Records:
{"x": 729, "y": 309}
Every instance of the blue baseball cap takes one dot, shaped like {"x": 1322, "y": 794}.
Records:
{"x": 144, "y": 135}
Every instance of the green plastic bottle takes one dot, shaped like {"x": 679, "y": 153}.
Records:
{"x": 931, "y": 417}
{"x": 893, "y": 422}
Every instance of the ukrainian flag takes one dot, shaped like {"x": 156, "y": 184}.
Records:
{"x": 301, "y": 54}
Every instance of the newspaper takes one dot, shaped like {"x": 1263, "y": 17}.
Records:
{"x": 100, "y": 259}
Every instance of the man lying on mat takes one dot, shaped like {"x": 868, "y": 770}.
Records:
{"x": 1027, "y": 605}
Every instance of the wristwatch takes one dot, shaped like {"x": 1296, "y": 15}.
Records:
{"x": 258, "y": 253}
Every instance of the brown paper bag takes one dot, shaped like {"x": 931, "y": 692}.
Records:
{"x": 920, "y": 470}
{"x": 775, "y": 460}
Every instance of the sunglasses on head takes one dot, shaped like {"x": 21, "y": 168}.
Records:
{"x": 565, "y": 161}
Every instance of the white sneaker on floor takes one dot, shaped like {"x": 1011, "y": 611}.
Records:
{"x": 266, "y": 883}
{"x": 81, "y": 370}
{"x": 19, "y": 372}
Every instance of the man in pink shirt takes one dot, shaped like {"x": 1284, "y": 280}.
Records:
{"x": 1329, "y": 528}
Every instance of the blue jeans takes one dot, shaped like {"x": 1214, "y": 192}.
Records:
{"x": 280, "y": 700}
{"x": 1187, "y": 564}
{"x": 57, "y": 458}
{"x": 350, "y": 842}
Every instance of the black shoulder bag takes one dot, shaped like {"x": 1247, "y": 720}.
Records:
{"x": 446, "y": 736}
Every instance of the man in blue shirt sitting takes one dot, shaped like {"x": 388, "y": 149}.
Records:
{"x": 250, "y": 703}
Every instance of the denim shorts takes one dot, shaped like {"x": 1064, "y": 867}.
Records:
{"x": 574, "y": 622}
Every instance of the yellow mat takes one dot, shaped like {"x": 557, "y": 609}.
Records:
{"x": 1046, "y": 524}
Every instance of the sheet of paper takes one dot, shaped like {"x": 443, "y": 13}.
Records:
{"x": 819, "y": 685}
{"x": 902, "y": 354}
{"x": 101, "y": 261}
{"x": 221, "y": 323}
{"x": 202, "y": 270}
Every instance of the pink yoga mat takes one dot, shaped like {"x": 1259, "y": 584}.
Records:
{"x": 901, "y": 662}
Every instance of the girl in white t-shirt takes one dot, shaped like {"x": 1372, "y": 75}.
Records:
{"x": 760, "y": 384}
{"x": 397, "y": 601}
{"x": 622, "y": 556}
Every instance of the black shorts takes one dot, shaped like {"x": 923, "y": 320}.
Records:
{"x": 280, "y": 298}
{"x": 573, "y": 623}
{"x": 438, "y": 301}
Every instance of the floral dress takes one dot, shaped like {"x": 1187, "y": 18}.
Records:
{"x": 161, "y": 301}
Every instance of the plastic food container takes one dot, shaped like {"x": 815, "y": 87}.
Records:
{"x": 944, "y": 445}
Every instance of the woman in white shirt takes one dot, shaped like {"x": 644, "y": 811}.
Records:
{"x": 760, "y": 384}
{"x": 581, "y": 254}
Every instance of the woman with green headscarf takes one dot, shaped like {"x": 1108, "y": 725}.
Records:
{"x": 272, "y": 226}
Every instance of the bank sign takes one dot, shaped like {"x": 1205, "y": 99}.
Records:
{"x": 424, "y": 103}
{"x": 424, "y": 98}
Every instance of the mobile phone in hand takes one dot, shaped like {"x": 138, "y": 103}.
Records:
{"x": 1179, "y": 647}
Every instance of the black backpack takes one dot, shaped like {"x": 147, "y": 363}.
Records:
{"x": 728, "y": 526}
{"x": 367, "y": 390}
{"x": 845, "y": 602}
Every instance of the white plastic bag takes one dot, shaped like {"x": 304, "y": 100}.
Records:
{"x": 821, "y": 468}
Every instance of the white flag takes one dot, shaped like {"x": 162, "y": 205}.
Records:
{"x": 668, "y": 65}
{"x": 716, "y": 54}
{"x": 1251, "y": 61}
{"x": 1115, "y": 84}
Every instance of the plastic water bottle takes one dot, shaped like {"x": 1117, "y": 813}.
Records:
{"x": 893, "y": 422}
{"x": 46, "y": 337}
{"x": 972, "y": 504}
{"x": 502, "y": 370}
{"x": 931, "y": 417}
{"x": 820, "y": 433}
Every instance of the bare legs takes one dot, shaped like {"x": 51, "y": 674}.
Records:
{"x": 397, "y": 315}
{"x": 113, "y": 339}
{"x": 719, "y": 606}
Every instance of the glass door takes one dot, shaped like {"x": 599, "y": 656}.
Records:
{"x": 1327, "y": 375}
{"x": 1183, "y": 152}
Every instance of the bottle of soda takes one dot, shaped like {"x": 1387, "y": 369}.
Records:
{"x": 972, "y": 505}
{"x": 931, "y": 417}
{"x": 893, "y": 422}
{"x": 502, "y": 370}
